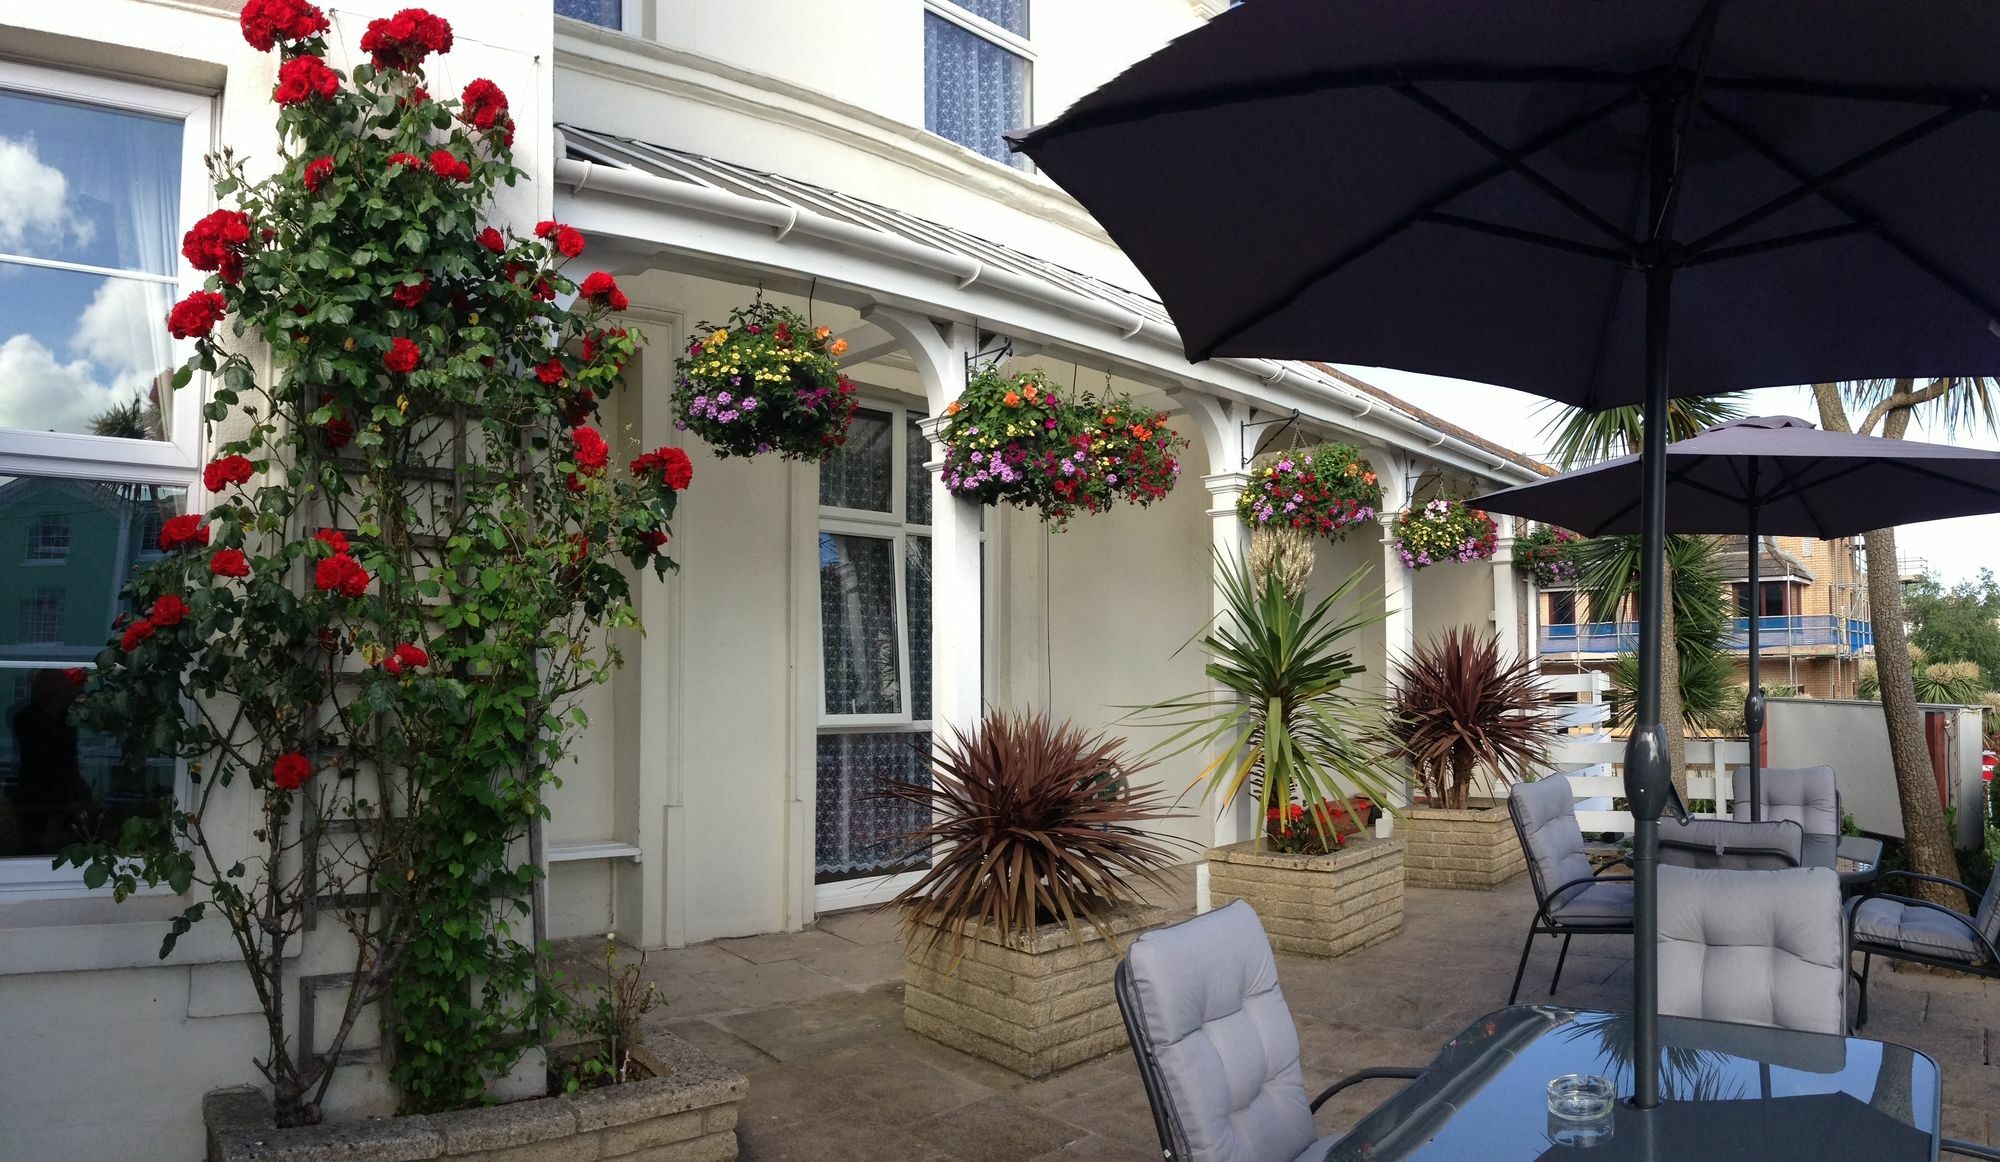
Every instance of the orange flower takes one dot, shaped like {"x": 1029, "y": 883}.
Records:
{"x": 1031, "y": 391}
{"x": 1012, "y": 399}
{"x": 837, "y": 348}
{"x": 952, "y": 408}
{"x": 1368, "y": 477}
{"x": 1141, "y": 432}
{"x": 822, "y": 332}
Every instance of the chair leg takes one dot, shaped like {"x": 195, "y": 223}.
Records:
{"x": 1560, "y": 957}
{"x": 1861, "y": 1011}
{"x": 1527, "y": 946}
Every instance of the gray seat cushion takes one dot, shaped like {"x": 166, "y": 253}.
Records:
{"x": 1724, "y": 843}
{"x": 1207, "y": 998}
{"x": 1756, "y": 947}
{"x": 1924, "y": 931}
{"x": 1317, "y": 1151}
{"x": 1807, "y": 796}
{"x": 1606, "y": 903}
{"x": 1544, "y": 814}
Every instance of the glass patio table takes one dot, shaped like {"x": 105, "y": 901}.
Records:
{"x": 1856, "y": 858}
{"x": 1730, "y": 1091}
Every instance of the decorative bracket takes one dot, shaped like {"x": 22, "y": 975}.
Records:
{"x": 999, "y": 348}
{"x": 1243, "y": 431}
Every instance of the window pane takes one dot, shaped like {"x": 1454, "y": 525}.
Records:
{"x": 974, "y": 90}
{"x": 861, "y": 473}
{"x": 916, "y": 477}
{"x": 608, "y": 13}
{"x": 917, "y": 579}
{"x": 1011, "y": 15}
{"x": 860, "y": 648}
{"x": 82, "y": 183}
{"x": 857, "y": 830}
{"x": 56, "y": 783}
{"x": 82, "y": 353}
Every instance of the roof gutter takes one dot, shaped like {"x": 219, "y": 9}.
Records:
{"x": 787, "y": 221}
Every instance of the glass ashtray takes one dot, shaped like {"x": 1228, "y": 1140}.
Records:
{"x": 1581, "y": 1097}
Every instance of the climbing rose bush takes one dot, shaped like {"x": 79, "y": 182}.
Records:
{"x": 413, "y": 542}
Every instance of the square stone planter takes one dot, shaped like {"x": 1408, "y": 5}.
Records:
{"x": 1033, "y": 1010}
{"x": 684, "y": 1112}
{"x": 1471, "y": 847}
{"x": 1315, "y": 905}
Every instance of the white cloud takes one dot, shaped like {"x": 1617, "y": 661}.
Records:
{"x": 124, "y": 327}
{"x": 40, "y": 393}
{"x": 34, "y": 202}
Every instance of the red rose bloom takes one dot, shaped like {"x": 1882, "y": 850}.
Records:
{"x": 317, "y": 170}
{"x": 229, "y": 563}
{"x": 168, "y": 610}
{"x": 266, "y": 22}
{"x": 408, "y": 159}
{"x": 491, "y": 240}
{"x": 229, "y": 470}
{"x": 291, "y": 771}
{"x": 403, "y": 356}
{"x": 408, "y": 295}
{"x": 412, "y": 656}
{"x": 602, "y": 289}
{"x": 339, "y": 432}
{"x": 403, "y": 41}
{"x": 342, "y": 574}
{"x": 567, "y": 240}
{"x": 135, "y": 633}
{"x": 551, "y": 372}
{"x": 333, "y": 539}
{"x": 217, "y": 243}
{"x": 673, "y": 465}
{"x": 448, "y": 166}
{"x": 186, "y": 529}
{"x": 194, "y": 316}
{"x": 303, "y": 78}
{"x": 655, "y": 539}
{"x": 592, "y": 453}
{"x": 544, "y": 228}
{"x": 482, "y": 105}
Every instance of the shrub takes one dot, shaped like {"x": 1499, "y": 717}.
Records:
{"x": 1459, "y": 705}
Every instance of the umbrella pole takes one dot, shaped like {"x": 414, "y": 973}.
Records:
{"x": 1753, "y": 698}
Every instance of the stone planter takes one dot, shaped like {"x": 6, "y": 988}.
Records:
{"x": 1471, "y": 847}
{"x": 1033, "y": 1010}
{"x": 684, "y": 1112}
{"x": 1315, "y": 905}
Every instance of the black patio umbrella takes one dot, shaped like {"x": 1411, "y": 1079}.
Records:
{"x": 1526, "y": 194}
{"x": 1769, "y": 475}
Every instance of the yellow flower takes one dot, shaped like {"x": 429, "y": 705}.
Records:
{"x": 720, "y": 337}
{"x": 472, "y": 319}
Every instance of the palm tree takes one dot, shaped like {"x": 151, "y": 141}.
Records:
{"x": 1578, "y": 437}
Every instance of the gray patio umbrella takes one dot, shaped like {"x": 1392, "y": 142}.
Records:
{"x": 1769, "y": 475}
{"x": 1526, "y": 194}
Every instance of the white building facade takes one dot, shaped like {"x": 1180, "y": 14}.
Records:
{"x": 841, "y": 159}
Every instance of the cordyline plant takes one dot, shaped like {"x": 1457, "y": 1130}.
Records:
{"x": 413, "y": 542}
{"x": 1032, "y": 823}
{"x": 1460, "y": 705}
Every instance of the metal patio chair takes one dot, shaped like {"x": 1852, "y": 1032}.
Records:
{"x": 1216, "y": 1046}
{"x": 1807, "y": 796}
{"x": 1569, "y": 899}
{"x": 1902, "y": 928}
{"x": 1754, "y": 947}
{"x": 1770, "y": 845}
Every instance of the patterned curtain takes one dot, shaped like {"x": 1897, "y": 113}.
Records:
{"x": 974, "y": 90}
{"x": 861, "y": 474}
{"x": 860, "y": 650}
{"x": 605, "y": 13}
{"x": 856, "y": 830}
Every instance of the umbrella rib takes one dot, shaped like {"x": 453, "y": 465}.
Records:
{"x": 1791, "y": 476}
{"x": 1782, "y": 241}
{"x": 1892, "y": 94}
{"x": 1893, "y": 240}
{"x": 1859, "y": 161}
{"x": 1367, "y": 245}
{"x": 1533, "y": 237}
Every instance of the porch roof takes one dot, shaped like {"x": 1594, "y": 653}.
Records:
{"x": 977, "y": 279}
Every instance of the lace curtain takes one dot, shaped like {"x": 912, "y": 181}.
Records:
{"x": 974, "y": 89}
{"x": 856, "y": 830}
{"x": 604, "y": 13}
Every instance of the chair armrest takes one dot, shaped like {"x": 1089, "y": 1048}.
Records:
{"x": 1971, "y": 897}
{"x": 1378, "y": 1073}
{"x": 1542, "y": 908}
{"x": 1992, "y": 956}
{"x": 1967, "y": 1149}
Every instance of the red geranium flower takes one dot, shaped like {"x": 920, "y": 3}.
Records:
{"x": 408, "y": 295}
{"x": 402, "y": 356}
{"x": 266, "y": 22}
{"x": 291, "y": 771}
{"x": 482, "y": 105}
{"x": 194, "y": 316}
{"x": 168, "y": 610}
{"x": 229, "y": 563}
{"x": 551, "y": 372}
{"x": 403, "y": 41}
{"x": 302, "y": 78}
{"x": 448, "y": 166}
{"x": 229, "y": 470}
{"x": 602, "y": 289}
{"x": 317, "y": 170}
{"x": 186, "y": 529}
{"x": 217, "y": 243}
{"x": 333, "y": 539}
{"x": 343, "y": 574}
{"x": 592, "y": 453}
{"x": 491, "y": 240}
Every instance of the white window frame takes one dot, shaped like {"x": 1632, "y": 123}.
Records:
{"x": 44, "y": 596}
{"x": 1012, "y": 42}
{"x": 174, "y": 462}
{"x": 36, "y": 552}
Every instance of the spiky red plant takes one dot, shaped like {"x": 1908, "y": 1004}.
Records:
{"x": 1458, "y": 705}
{"x": 1031, "y": 823}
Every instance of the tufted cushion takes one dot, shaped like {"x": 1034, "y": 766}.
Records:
{"x": 1924, "y": 931}
{"x": 1808, "y": 796}
{"x": 1725, "y": 843}
{"x": 1544, "y": 814}
{"x": 1757, "y": 947}
{"x": 1207, "y": 998}
{"x": 1988, "y": 919}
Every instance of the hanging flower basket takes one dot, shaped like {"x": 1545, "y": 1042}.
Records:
{"x": 1550, "y": 555}
{"x": 1444, "y": 530}
{"x": 1023, "y": 440}
{"x": 766, "y": 381}
{"x": 1322, "y": 491}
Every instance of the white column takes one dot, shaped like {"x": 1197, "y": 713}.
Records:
{"x": 1506, "y": 595}
{"x": 1398, "y": 593}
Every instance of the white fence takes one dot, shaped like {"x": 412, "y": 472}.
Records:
{"x": 1594, "y": 762}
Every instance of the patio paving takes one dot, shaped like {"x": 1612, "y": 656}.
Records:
{"x": 815, "y": 1020}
